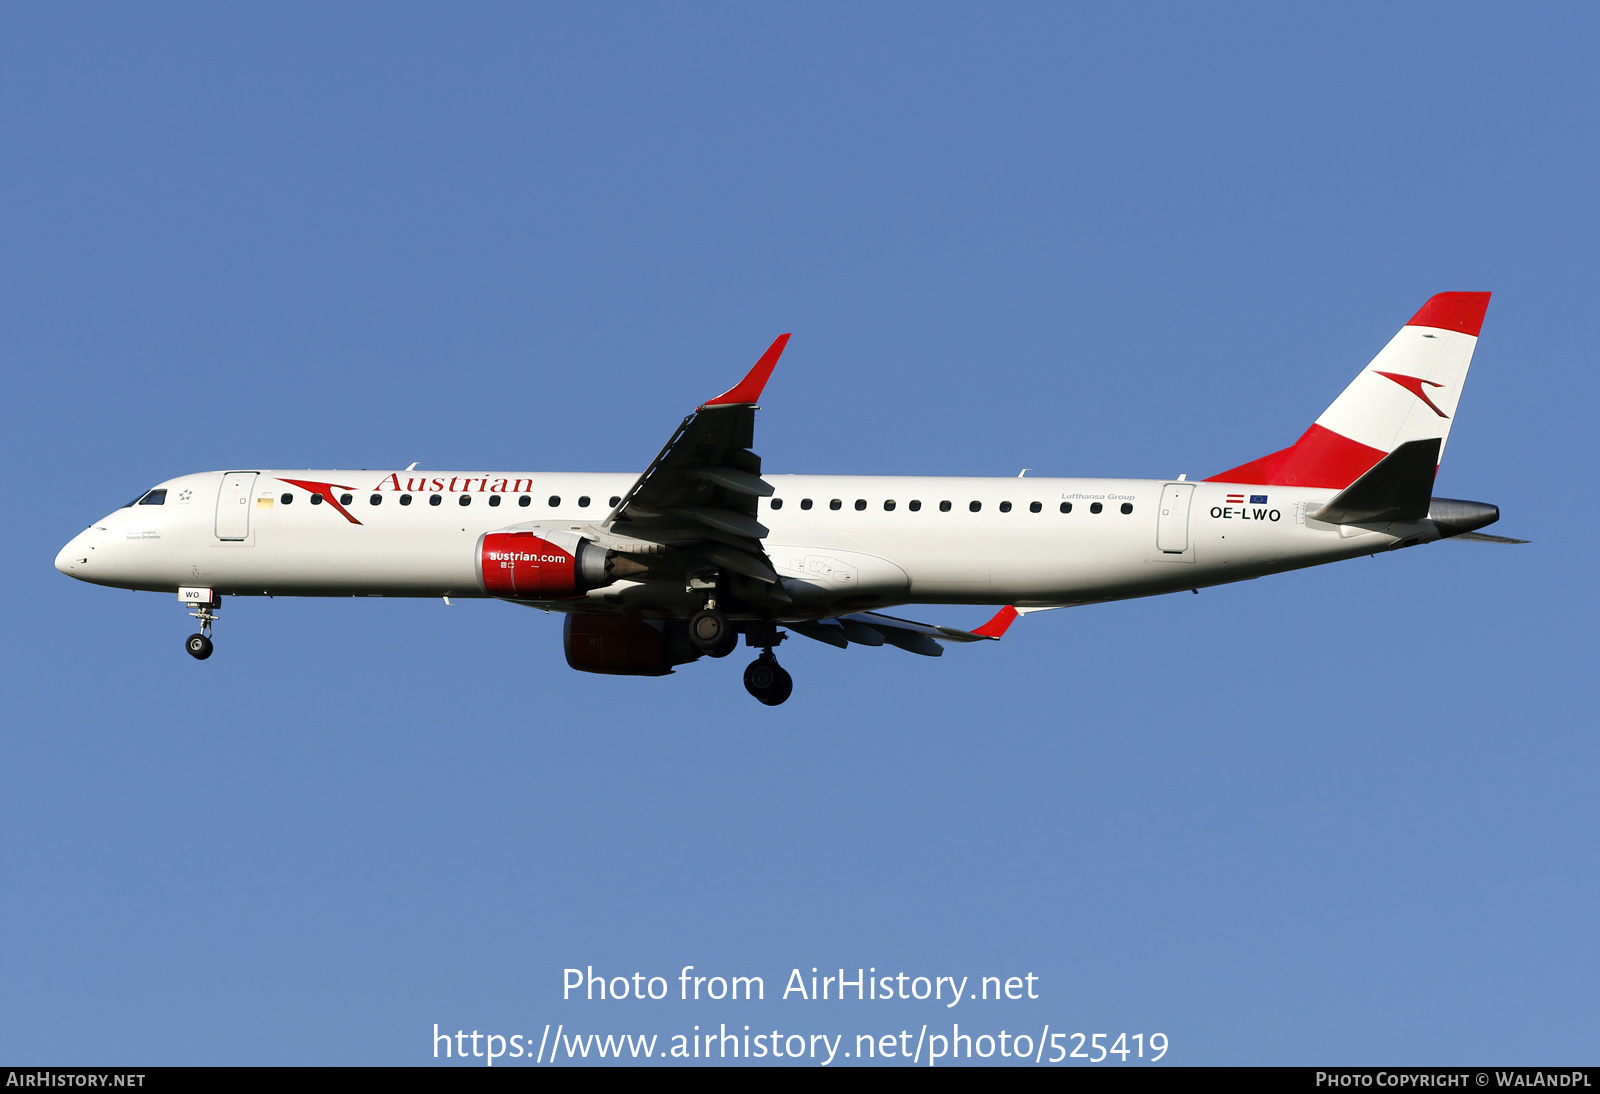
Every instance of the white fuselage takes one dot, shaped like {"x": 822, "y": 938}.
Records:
{"x": 891, "y": 540}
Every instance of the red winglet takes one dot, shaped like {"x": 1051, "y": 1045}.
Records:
{"x": 997, "y": 626}
{"x": 748, "y": 390}
{"x": 1457, "y": 311}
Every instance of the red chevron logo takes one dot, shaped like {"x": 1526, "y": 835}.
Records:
{"x": 1414, "y": 384}
{"x": 326, "y": 489}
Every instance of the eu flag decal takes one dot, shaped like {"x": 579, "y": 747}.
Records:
{"x": 1258, "y": 499}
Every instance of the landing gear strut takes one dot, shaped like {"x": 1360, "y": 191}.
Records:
{"x": 764, "y": 678}
{"x": 199, "y": 645}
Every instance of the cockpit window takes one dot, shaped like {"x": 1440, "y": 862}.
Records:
{"x": 154, "y": 497}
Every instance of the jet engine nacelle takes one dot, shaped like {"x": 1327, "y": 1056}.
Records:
{"x": 521, "y": 565}
{"x": 618, "y": 646}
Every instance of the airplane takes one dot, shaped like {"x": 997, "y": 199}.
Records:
{"x": 656, "y": 570}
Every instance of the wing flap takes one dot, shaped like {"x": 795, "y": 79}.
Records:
{"x": 830, "y": 633}
{"x": 740, "y": 482}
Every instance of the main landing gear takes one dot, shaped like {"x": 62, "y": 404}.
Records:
{"x": 764, "y": 678}
{"x": 199, "y": 645}
{"x": 767, "y": 680}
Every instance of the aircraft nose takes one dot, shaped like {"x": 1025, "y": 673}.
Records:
{"x": 71, "y": 559}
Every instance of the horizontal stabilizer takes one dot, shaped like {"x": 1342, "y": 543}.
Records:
{"x": 1484, "y": 537}
{"x": 1398, "y": 487}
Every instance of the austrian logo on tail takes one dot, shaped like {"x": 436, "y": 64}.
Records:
{"x": 1414, "y": 384}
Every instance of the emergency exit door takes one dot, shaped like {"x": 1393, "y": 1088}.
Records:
{"x": 1172, "y": 521}
{"x": 233, "y": 505}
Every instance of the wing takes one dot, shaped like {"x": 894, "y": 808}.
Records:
{"x": 875, "y": 629}
{"x": 699, "y": 495}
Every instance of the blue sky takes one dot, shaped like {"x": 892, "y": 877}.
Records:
{"x": 1339, "y": 816}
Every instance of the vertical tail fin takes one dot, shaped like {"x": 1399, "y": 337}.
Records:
{"x": 1409, "y": 392}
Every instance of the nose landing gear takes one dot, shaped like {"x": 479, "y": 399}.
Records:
{"x": 712, "y": 632}
{"x": 199, "y": 645}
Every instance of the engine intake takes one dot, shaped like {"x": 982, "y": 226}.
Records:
{"x": 615, "y": 645}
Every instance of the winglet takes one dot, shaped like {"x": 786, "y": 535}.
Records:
{"x": 748, "y": 390}
{"x": 997, "y": 626}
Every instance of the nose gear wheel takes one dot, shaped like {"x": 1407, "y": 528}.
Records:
{"x": 712, "y": 633}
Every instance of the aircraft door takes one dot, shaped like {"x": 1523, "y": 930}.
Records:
{"x": 233, "y": 505}
{"x": 1172, "y": 523}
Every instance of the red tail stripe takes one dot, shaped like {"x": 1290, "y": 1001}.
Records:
{"x": 1457, "y": 311}
{"x": 1320, "y": 458}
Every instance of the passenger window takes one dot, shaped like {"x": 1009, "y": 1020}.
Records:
{"x": 405, "y": 499}
{"x": 345, "y": 499}
{"x": 377, "y": 499}
{"x": 1034, "y": 507}
{"x": 835, "y": 504}
{"x": 888, "y": 507}
{"x": 1066, "y": 507}
{"x": 1127, "y": 507}
{"x": 861, "y": 503}
{"x": 975, "y": 506}
{"x": 1095, "y": 507}
{"x": 494, "y": 500}
{"x": 777, "y": 503}
{"x": 555, "y": 500}
{"x": 524, "y": 501}
{"x": 154, "y": 497}
{"x": 805, "y": 503}
{"x": 914, "y": 505}
{"x": 466, "y": 499}
{"x": 287, "y": 498}
{"x": 435, "y": 499}
{"x": 316, "y": 499}
{"x": 944, "y": 507}
{"x": 615, "y": 499}
{"x": 583, "y": 502}
{"x": 1005, "y": 507}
